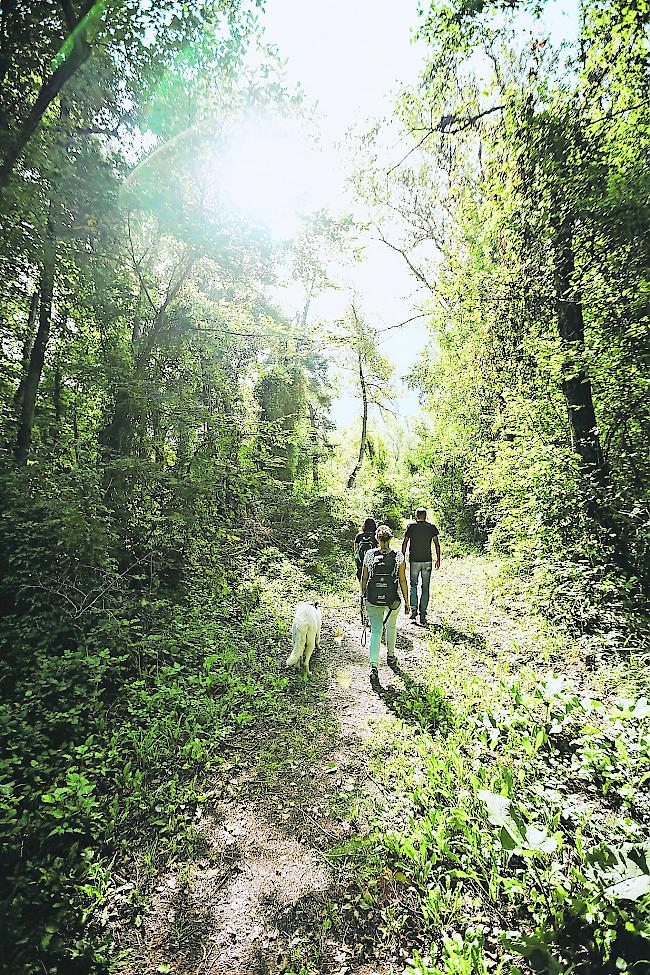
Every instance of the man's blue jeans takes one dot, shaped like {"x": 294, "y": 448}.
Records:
{"x": 416, "y": 570}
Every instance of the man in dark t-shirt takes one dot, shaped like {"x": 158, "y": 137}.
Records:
{"x": 419, "y": 535}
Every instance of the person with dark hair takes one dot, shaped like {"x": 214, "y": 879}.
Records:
{"x": 383, "y": 576}
{"x": 364, "y": 542}
{"x": 419, "y": 536}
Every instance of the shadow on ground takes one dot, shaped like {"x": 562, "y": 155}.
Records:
{"x": 449, "y": 634}
{"x": 414, "y": 702}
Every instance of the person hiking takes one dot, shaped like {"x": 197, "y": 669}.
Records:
{"x": 364, "y": 541}
{"x": 419, "y": 535}
{"x": 382, "y": 577}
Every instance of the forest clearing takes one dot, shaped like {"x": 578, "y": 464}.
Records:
{"x": 282, "y": 285}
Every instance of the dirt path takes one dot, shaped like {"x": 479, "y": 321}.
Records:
{"x": 258, "y": 890}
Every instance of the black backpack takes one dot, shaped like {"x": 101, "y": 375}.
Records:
{"x": 382, "y": 584}
{"x": 367, "y": 542}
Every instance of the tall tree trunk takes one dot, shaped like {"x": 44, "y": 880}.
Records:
{"x": 580, "y": 404}
{"x": 27, "y": 346}
{"x": 315, "y": 455}
{"x": 305, "y": 313}
{"x": 117, "y": 435}
{"x": 37, "y": 358}
{"x": 364, "y": 425}
{"x": 575, "y": 384}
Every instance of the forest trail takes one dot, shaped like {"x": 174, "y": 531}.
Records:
{"x": 258, "y": 887}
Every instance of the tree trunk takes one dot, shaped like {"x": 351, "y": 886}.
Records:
{"x": 27, "y": 347}
{"x": 37, "y": 358}
{"x": 315, "y": 455}
{"x": 305, "y": 311}
{"x": 49, "y": 91}
{"x": 364, "y": 426}
{"x": 118, "y": 435}
{"x": 575, "y": 384}
{"x": 580, "y": 405}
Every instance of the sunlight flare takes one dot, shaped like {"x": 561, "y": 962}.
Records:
{"x": 270, "y": 174}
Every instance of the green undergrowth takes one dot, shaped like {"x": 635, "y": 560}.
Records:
{"x": 517, "y": 835}
{"x": 140, "y": 641}
{"x": 107, "y": 746}
{"x": 113, "y": 728}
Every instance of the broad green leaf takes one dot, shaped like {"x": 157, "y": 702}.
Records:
{"x": 630, "y": 889}
{"x": 500, "y": 814}
{"x": 537, "y": 839}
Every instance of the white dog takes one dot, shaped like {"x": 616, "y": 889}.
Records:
{"x": 305, "y": 634}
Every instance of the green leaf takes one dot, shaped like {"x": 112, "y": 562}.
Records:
{"x": 627, "y": 875}
{"x": 538, "y": 840}
{"x": 500, "y": 814}
{"x": 630, "y": 889}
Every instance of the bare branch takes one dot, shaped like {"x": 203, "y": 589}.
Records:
{"x": 407, "y": 321}
{"x": 444, "y": 127}
{"x": 415, "y": 270}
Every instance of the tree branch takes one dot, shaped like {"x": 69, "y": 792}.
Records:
{"x": 74, "y": 52}
{"x": 415, "y": 270}
{"x": 443, "y": 127}
{"x": 413, "y": 318}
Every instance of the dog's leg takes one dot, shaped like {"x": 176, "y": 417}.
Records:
{"x": 309, "y": 649}
{"x": 318, "y": 633}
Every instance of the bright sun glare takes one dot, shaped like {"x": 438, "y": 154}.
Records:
{"x": 270, "y": 174}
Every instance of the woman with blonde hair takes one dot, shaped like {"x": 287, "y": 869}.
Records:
{"x": 382, "y": 577}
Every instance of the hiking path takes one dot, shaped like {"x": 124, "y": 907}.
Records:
{"x": 254, "y": 898}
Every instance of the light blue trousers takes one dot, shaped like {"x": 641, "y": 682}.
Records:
{"x": 376, "y": 615}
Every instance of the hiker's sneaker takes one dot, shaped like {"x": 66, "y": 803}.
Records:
{"x": 374, "y": 678}
{"x": 414, "y": 614}
{"x": 423, "y": 621}
{"x": 392, "y": 660}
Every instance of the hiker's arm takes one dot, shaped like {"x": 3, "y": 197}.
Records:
{"x": 436, "y": 542}
{"x": 405, "y": 543}
{"x": 364, "y": 578}
{"x": 403, "y": 586}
